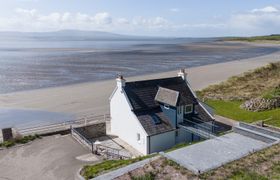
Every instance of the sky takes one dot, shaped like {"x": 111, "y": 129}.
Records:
{"x": 178, "y": 18}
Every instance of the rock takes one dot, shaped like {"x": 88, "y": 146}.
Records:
{"x": 261, "y": 104}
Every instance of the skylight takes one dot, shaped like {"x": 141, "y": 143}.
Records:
{"x": 156, "y": 119}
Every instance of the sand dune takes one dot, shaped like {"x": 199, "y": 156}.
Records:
{"x": 92, "y": 98}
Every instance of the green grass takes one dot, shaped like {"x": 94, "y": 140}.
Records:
{"x": 181, "y": 145}
{"x": 91, "y": 171}
{"x": 272, "y": 93}
{"x": 22, "y": 140}
{"x": 7, "y": 144}
{"x": 255, "y": 38}
{"x": 232, "y": 110}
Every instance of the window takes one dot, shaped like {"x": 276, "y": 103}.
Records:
{"x": 176, "y": 133}
{"x": 188, "y": 109}
{"x": 166, "y": 106}
{"x": 138, "y": 137}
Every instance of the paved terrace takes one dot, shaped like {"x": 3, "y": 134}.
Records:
{"x": 215, "y": 152}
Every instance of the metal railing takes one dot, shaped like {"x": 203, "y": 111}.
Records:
{"x": 107, "y": 152}
{"x": 81, "y": 139}
{"x": 205, "y": 131}
{"x": 111, "y": 153}
{"x": 66, "y": 125}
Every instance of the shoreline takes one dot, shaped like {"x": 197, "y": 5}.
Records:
{"x": 93, "y": 97}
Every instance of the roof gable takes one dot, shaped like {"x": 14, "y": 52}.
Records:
{"x": 167, "y": 96}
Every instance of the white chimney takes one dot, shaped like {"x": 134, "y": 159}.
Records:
{"x": 182, "y": 73}
{"x": 120, "y": 81}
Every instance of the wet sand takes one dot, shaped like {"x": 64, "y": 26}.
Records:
{"x": 93, "y": 98}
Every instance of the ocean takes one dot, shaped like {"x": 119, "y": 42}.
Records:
{"x": 27, "y": 64}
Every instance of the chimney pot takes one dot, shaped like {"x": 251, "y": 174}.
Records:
{"x": 120, "y": 81}
{"x": 182, "y": 73}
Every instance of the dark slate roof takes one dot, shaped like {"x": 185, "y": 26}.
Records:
{"x": 141, "y": 94}
{"x": 146, "y": 119}
{"x": 167, "y": 96}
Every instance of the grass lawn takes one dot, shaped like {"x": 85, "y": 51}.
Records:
{"x": 91, "y": 171}
{"x": 232, "y": 110}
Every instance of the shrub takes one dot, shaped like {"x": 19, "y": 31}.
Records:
{"x": 147, "y": 176}
{"x": 7, "y": 144}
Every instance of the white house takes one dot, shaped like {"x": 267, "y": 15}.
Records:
{"x": 154, "y": 115}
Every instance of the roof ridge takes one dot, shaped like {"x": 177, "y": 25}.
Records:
{"x": 157, "y": 79}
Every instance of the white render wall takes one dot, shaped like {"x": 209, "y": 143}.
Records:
{"x": 124, "y": 123}
{"x": 162, "y": 142}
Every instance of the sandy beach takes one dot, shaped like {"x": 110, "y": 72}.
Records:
{"x": 93, "y": 98}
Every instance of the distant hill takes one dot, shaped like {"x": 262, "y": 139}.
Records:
{"x": 70, "y": 35}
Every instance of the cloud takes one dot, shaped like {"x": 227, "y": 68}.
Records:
{"x": 102, "y": 18}
{"x": 34, "y": 20}
{"x": 257, "y": 21}
{"x": 122, "y": 21}
{"x": 252, "y": 22}
{"x": 156, "y": 22}
{"x": 267, "y": 9}
{"x": 26, "y": 12}
{"x": 174, "y": 10}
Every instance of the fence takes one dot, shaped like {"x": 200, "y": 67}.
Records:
{"x": 107, "y": 152}
{"x": 110, "y": 153}
{"x": 81, "y": 139}
{"x": 200, "y": 128}
{"x": 64, "y": 126}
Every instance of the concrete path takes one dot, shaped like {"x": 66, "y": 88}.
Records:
{"x": 215, "y": 152}
{"x": 126, "y": 169}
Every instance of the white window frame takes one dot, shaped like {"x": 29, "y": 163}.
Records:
{"x": 166, "y": 106}
{"x": 185, "y": 109}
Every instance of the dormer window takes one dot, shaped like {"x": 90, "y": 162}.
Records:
{"x": 166, "y": 106}
{"x": 188, "y": 109}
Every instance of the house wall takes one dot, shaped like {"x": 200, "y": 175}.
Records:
{"x": 162, "y": 141}
{"x": 180, "y": 114}
{"x": 125, "y": 124}
{"x": 170, "y": 113}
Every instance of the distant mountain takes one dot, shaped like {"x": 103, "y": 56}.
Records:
{"x": 70, "y": 35}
